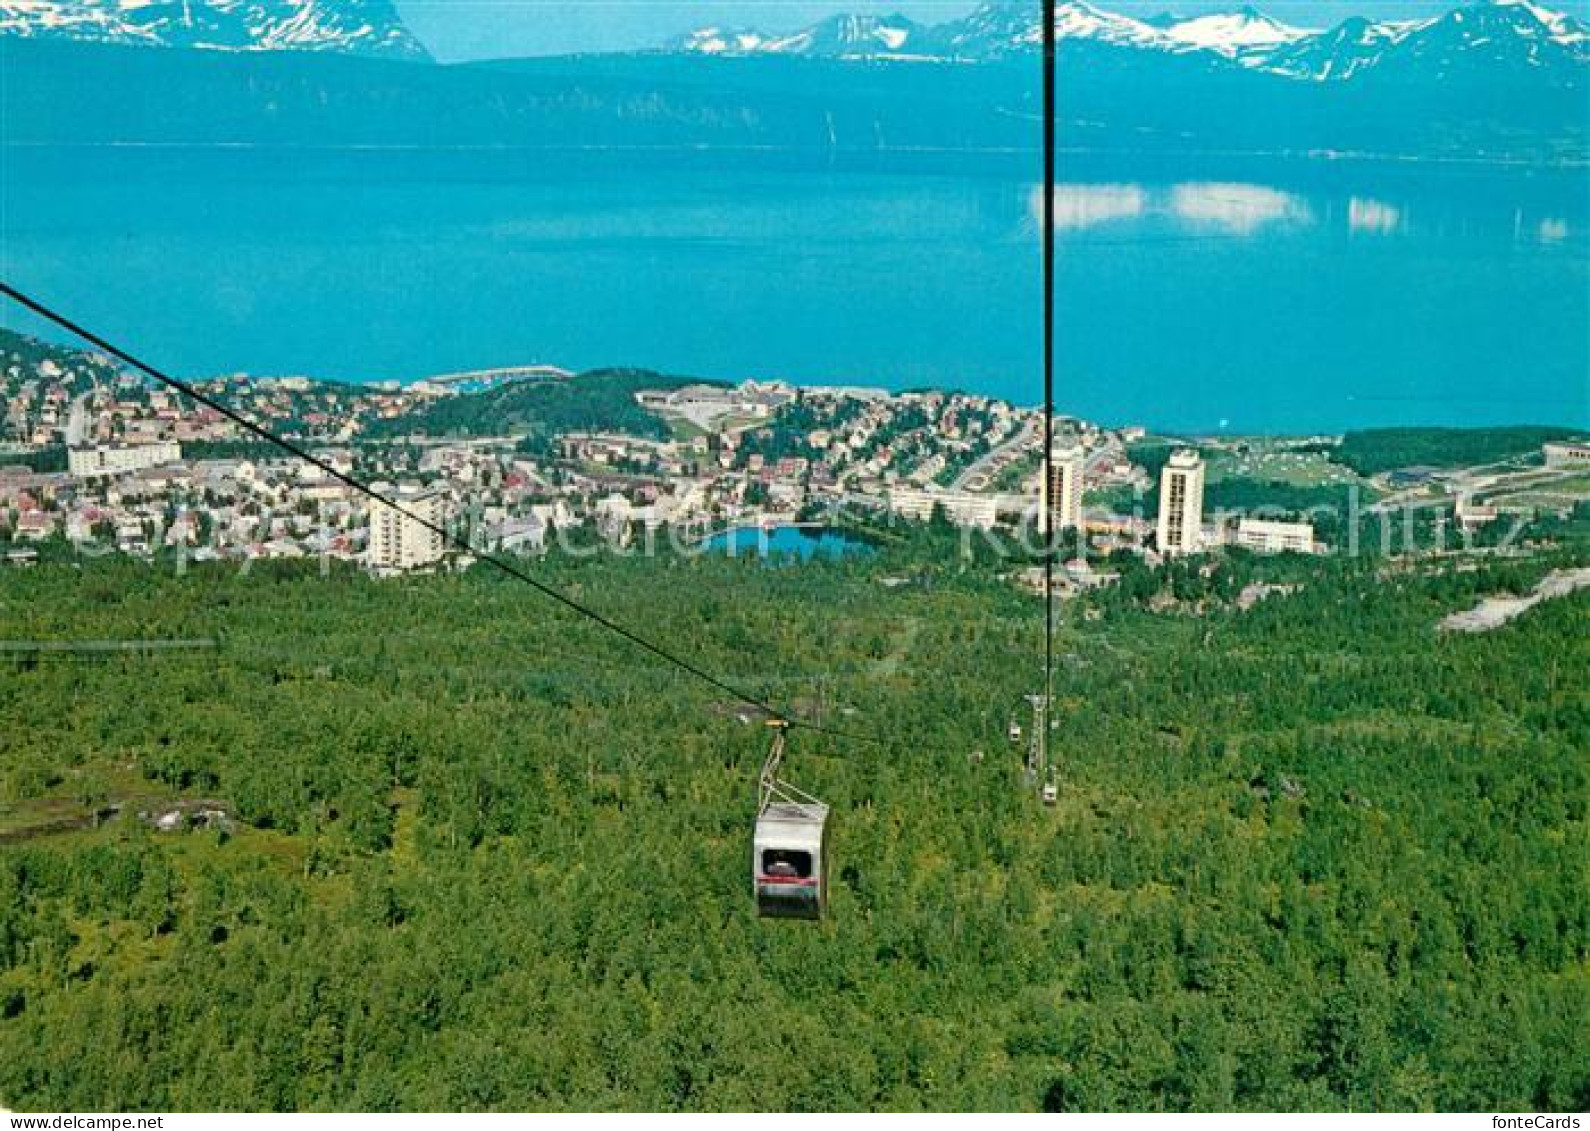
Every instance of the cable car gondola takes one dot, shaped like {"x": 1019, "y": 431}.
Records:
{"x": 789, "y": 847}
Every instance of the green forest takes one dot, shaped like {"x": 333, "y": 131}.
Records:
{"x": 1308, "y": 854}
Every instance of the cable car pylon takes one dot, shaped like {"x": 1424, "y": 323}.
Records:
{"x": 1039, "y": 766}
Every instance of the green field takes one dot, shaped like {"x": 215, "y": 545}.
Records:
{"x": 1559, "y": 491}
{"x": 1282, "y": 465}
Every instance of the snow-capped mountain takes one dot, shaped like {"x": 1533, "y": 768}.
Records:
{"x": 1076, "y": 20}
{"x": 1235, "y": 34}
{"x": 997, "y": 28}
{"x": 1505, "y": 33}
{"x": 360, "y": 27}
{"x": 992, "y": 30}
{"x": 839, "y": 37}
{"x": 1500, "y": 35}
{"x": 1003, "y": 27}
{"x": 1336, "y": 55}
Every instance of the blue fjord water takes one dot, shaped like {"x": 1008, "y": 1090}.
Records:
{"x": 1255, "y": 295}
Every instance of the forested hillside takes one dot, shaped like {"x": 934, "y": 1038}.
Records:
{"x": 602, "y": 400}
{"x": 1374, "y": 450}
{"x": 1310, "y": 855}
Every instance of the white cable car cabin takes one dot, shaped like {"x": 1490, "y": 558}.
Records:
{"x": 789, "y": 846}
{"x": 790, "y": 860}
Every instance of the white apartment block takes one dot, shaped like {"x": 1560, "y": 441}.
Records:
{"x": 1181, "y": 504}
{"x": 1266, "y": 537}
{"x": 1065, "y": 489}
{"x": 1568, "y": 455}
{"x": 401, "y": 541}
{"x": 961, "y": 507}
{"x": 117, "y": 459}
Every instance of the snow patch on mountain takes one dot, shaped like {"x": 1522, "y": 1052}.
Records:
{"x": 1563, "y": 29}
{"x": 840, "y": 37}
{"x": 1077, "y": 20}
{"x": 360, "y": 27}
{"x": 1232, "y": 33}
{"x": 720, "y": 41}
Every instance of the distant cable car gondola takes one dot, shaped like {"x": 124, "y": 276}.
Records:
{"x": 789, "y": 848}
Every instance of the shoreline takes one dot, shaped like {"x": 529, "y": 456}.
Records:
{"x": 1318, "y": 157}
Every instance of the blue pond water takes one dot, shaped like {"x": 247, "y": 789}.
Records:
{"x": 1248, "y": 296}
{"x": 785, "y": 542}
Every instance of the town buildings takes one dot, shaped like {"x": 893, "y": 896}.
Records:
{"x": 758, "y": 455}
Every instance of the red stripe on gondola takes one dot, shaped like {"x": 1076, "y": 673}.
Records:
{"x": 788, "y": 881}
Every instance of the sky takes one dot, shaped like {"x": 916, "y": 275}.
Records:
{"x": 477, "y": 29}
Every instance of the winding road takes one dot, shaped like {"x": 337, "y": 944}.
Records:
{"x": 989, "y": 464}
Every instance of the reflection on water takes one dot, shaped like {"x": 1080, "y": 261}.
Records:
{"x": 1084, "y": 206}
{"x": 1244, "y": 210}
{"x": 1365, "y": 215}
{"x": 1239, "y": 209}
{"x": 1233, "y": 208}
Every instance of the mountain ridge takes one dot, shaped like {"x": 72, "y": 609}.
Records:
{"x": 1513, "y": 35}
{"x": 1509, "y": 33}
{"x": 807, "y": 109}
{"x": 353, "y": 27}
